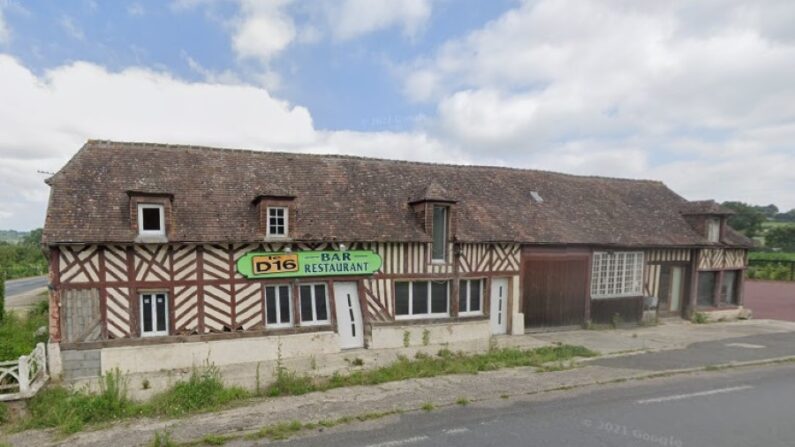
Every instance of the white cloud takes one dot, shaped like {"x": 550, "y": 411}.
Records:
{"x": 684, "y": 92}
{"x": 354, "y": 18}
{"x": 263, "y": 29}
{"x": 46, "y": 118}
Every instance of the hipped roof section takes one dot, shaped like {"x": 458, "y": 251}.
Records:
{"x": 348, "y": 198}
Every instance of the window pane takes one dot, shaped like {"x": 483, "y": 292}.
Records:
{"x": 706, "y": 288}
{"x": 270, "y": 305}
{"x": 161, "y": 312}
{"x": 401, "y": 298}
{"x": 419, "y": 297}
{"x": 728, "y": 292}
{"x": 147, "y": 312}
{"x": 320, "y": 302}
{"x": 151, "y": 219}
{"x": 306, "y": 303}
{"x": 474, "y": 295}
{"x": 439, "y": 297}
{"x": 284, "y": 305}
{"x": 439, "y": 231}
{"x": 462, "y": 296}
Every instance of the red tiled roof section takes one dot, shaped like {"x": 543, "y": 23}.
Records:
{"x": 351, "y": 199}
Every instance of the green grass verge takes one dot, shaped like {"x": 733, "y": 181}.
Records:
{"x": 18, "y": 333}
{"x": 771, "y": 256}
{"x": 71, "y": 411}
{"x": 445, "y": 362}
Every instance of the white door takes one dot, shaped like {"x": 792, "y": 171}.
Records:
{"x": 349, "y": 315}
{"x": 499, "y": 306}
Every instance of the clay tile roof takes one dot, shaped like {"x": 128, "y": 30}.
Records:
{"x": 433, "y": 192}
{"x": 705, "y": 207}
{"x": 349, "y": 198}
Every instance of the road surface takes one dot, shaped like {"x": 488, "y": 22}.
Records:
{"x": 24, "y": 285}
{"x": 730, "y": 408}
{"x": 771, "y": 299}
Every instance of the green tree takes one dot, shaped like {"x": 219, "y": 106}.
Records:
{"x": 747, "y": 219}
{"x": 782, "y": 237}
{"x": 33, "y": 238}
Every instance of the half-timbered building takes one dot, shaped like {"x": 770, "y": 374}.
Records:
{"x": 162, "y": 256}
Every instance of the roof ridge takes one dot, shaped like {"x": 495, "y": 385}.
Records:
{"x": 92, "y": 142}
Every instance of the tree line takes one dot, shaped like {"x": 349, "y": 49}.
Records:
{"x": 24, "y": 258}
{"x": 776, "y": 229}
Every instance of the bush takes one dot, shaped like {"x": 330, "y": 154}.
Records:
{"x": 770, "y": 271}
{"x": 203, "y": 391}
{"x": 2, "y": 295}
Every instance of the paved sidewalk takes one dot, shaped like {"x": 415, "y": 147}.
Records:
{"x": 444, "y": 391}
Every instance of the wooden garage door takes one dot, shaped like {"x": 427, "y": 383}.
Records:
{"x": 555, "y": 291}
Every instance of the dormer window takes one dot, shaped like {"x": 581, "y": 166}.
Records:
{"x": 277, "y": 221}
{"x": 713, "y": 229}
{"x": 439, "y": 246}
{"x": 151, "y": 220}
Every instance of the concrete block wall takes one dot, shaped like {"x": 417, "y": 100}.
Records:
{"x": 81, "y": 363}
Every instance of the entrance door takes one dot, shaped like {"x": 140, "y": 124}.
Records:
{"x": 499, "y": 306}
{"x": 671, "y": 288}
{"x": 555, "y": 290}
{"x": 349, "y": 315}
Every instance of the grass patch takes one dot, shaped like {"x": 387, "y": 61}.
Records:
{"x": 216, "y": 439}
{"x": 463, "y": 401}
{"x": 423, "y": 365}
{"x": 700, "y": 318}
{"x": 427, "y": 406}
{"x": 71, "y": 411}
{"x": 771, "y": 256}
{"x": 203, "y": 391}
{"x": 279, "y": 431}
{"x": 18, "y": 334}
{"x": 162, "y": 440}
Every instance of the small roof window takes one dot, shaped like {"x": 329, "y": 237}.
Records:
{"x": 151, "y": 221}
{"x": 536, "y": 196}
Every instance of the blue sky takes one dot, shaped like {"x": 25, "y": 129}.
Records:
{"x": 696, "y": 94}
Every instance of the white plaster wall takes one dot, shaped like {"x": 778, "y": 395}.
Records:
{"x": 387, "y": 337}
{"x": 517, "y": 323}
{"x": 137, "y": 359}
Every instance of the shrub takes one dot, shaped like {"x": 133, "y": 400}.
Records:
{"x": 700, "y": 318}
{"x": 2, "y": 295}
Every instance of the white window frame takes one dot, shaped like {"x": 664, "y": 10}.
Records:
{"x": 411, "y": 315}
{"x": 445, "y": 235}
{"x": 286, "y": 216}
{"x": 276, "y": 287}
{"x": 315, "y": 321}
{"x": 469, "y": 296}
{"x": 161, "y": 211}
{"x": 153, "y": 333}
{"x": 713, "y": 229}
{"x": 617, "y": 274}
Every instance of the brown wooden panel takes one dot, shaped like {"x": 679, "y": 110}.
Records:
{"x": 555, "y": 290}
{"x": 628, "y": 310}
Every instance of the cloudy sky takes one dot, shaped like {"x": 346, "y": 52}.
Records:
{"x": 697, "y": 93}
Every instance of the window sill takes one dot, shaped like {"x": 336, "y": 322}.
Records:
{"x": 151, "y": 239}
{"x": 421, "y": 317}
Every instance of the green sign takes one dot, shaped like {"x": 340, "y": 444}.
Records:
{"x": 308, "y": 263}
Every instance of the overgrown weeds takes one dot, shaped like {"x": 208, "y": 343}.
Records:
{"x": 700, "y": 318}
{"x": 203, "y": 391}
{"x": 20, "y": 333}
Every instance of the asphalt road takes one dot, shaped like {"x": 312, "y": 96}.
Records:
{"x": 24, "y": 285}
{"x": 741, "y": 407}
{"x": 771, "y": 299}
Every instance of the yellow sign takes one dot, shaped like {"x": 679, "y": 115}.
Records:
{"x": 275, "y": 263}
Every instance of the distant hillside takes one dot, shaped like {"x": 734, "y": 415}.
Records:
{"x": 12, "y": 236}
